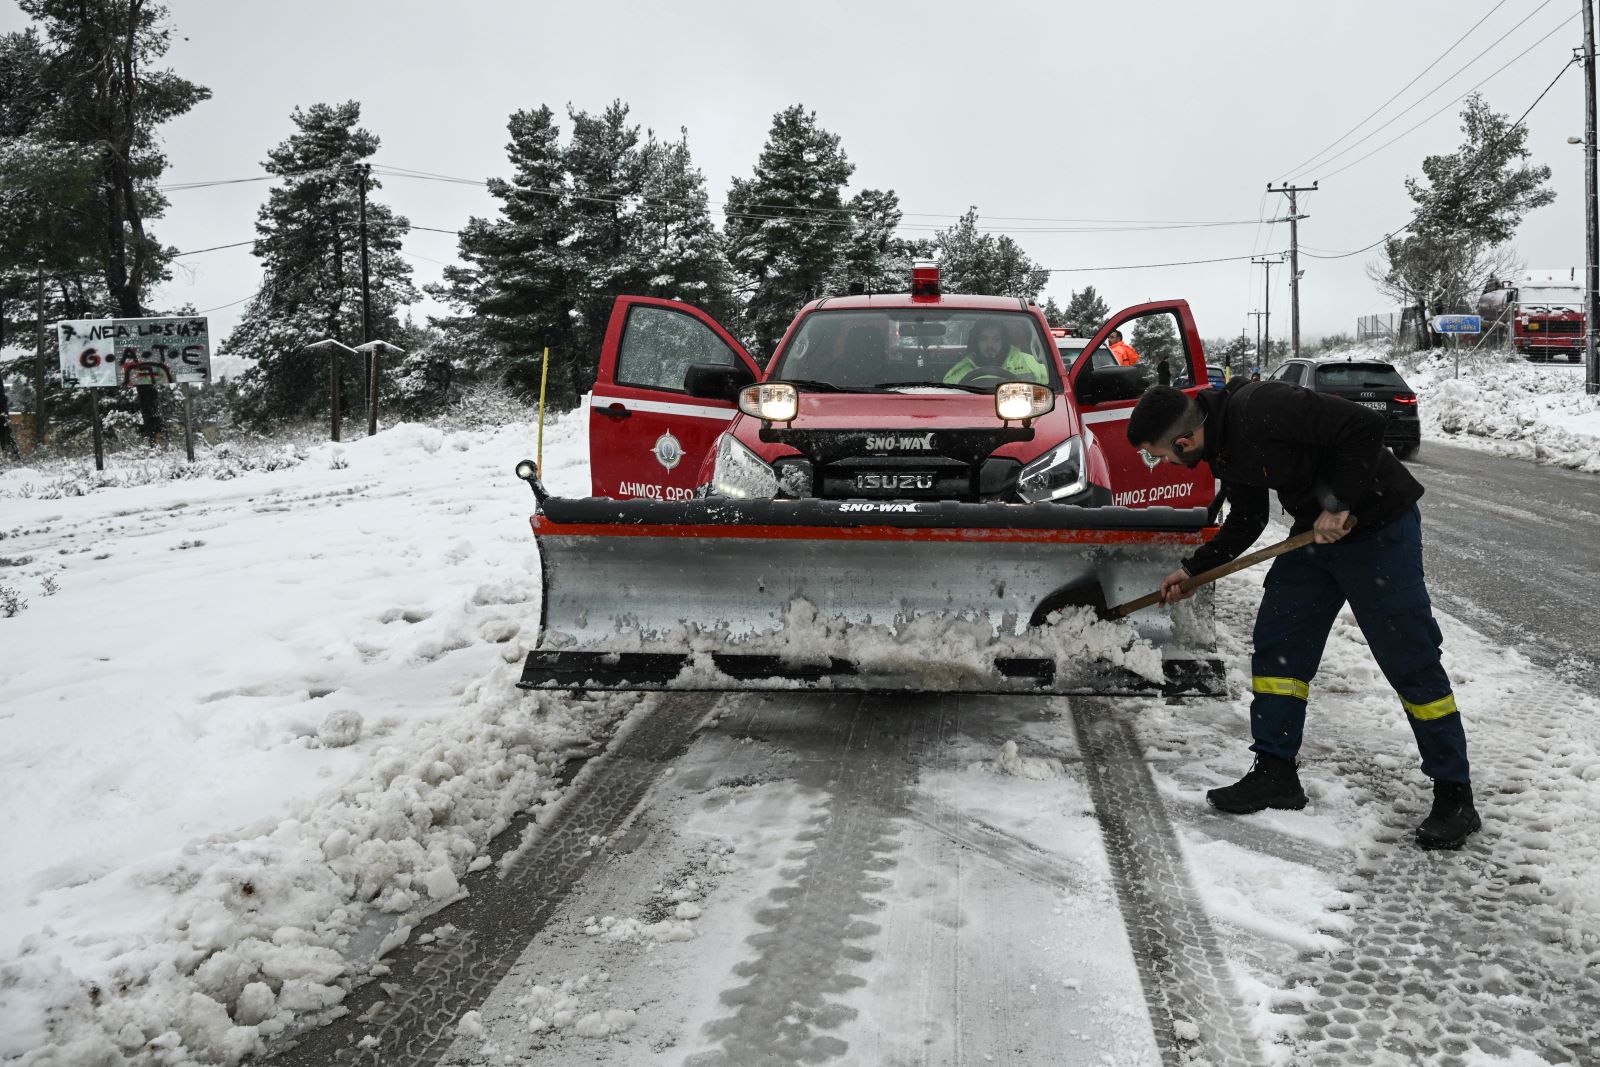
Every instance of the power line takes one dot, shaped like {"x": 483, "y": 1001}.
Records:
{"x": 1147, "y": 266}
{"x": 1449, "y": 103}
{"x": 214, "y": 248}
{"x": 1394, "y": 119}
{"x": 1564, "y": 68}
{"x": 1403, "y": 88}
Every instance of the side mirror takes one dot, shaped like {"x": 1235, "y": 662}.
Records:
{"x": 715, "y": 381}
{"x": 1101, "y": 385}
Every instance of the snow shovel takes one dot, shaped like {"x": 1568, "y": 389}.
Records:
{"x": 1089, "y": 594}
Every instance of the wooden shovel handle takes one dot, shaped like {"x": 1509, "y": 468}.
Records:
{"x": 1195, "y": 581}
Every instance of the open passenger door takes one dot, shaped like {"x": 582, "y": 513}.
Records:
{"x": 1162, "y": 345}
{"x": 667, "y": 387}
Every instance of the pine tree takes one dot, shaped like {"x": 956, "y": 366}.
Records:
{"x": 308, "y": 241}
{"x": 1473, "y": 202}
{"x": 677, "y": 241}
{"x": 515, "y": 293}
{"x": 974, "y": 261}
{"x": 81, "y": 159}
{"x": 876, "y": 258}
{"x": 1155, "y": 337}
{"x": 1086, "y": 311}
{"x": 606, "y": 170}
{"x": 787, "y": 230}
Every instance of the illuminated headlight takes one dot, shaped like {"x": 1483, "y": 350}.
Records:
{"x": 1015, "y": 401}
{"x": 770, "y": 401}
{"x": 739, "y": 472}
{"x": 1057, "y": 475}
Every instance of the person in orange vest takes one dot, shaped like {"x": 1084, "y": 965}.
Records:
{"x": 1123, "y": 351}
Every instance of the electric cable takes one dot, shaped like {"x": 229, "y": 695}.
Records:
{"x": 1306, "y": 163}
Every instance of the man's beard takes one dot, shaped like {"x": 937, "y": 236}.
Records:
{"x": 1189, "y": 457}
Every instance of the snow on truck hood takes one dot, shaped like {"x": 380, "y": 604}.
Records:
{"x": 921, "y": 410}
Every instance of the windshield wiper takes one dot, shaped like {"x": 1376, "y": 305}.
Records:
{"x": 811, "y": 383}
{"x": 919, "y": 384}
{"x": 945, "y": 385}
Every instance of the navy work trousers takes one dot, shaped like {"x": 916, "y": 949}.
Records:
{"x": 1380, "y": 575}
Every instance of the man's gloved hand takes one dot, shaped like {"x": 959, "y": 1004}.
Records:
{"x": 1331, "y": 525}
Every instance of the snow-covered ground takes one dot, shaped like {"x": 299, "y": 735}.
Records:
{"x": 250, "y": 720}
{"x": 1501, "y": 403}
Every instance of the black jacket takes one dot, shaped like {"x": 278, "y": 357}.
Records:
{"x": 1319, "y": 452}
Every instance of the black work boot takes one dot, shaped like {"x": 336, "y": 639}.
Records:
{"x": 1453, "y": 817}
{"x": 1271, "y": 783}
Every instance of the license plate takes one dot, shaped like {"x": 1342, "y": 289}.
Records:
{"x": 893, "y": 481}
{"x": 1375, "y": 405}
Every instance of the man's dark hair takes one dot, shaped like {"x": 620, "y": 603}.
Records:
{"x": 1161, "y": 414}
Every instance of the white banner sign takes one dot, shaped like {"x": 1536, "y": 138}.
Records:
{"x": 112, "y": 353}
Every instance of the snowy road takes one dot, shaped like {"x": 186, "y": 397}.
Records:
{"x": 203, "y": 859}
{"x": 1510, "y": 546}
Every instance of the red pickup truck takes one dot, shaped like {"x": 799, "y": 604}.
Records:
{"x": 665, "y": 422}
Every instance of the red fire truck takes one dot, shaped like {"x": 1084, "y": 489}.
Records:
{"x": 1542, "y": 312}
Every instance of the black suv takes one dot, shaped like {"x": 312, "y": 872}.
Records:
{"x": 1369, "y": 382}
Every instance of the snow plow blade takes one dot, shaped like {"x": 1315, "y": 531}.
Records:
{"x": 869, "y": 596}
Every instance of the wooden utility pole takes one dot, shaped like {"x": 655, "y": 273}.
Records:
{"x": 1591, "y": 285}
{"x": 365, "y": 172}
{"x": 1257, "y": 315}
{"x": 1294, "y": 259}
{"x": 1266, "y": 326}
{"x": 40, "y": 412}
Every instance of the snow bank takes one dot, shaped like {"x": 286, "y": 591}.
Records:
{"x": 1501, "y": 403}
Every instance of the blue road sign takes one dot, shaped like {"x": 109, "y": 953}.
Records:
{"x": 1458, "y": 324}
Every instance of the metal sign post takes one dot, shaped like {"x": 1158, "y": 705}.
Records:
{"x": 188, "y": 423}
{"x": 1457, "y": 325}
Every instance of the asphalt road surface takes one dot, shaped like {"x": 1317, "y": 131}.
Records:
{"x": 1513, "y": 549}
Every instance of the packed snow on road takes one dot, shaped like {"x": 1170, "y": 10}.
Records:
{"x": 261, "y": 730}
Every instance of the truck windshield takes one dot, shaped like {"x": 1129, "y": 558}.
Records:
{"x": 868, "y": 350}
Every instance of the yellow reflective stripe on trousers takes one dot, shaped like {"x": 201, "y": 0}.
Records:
{"x": 1281, "y": 687}
{"x": 1433, "y": 709}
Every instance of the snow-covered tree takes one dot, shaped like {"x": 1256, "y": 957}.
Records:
{"x": 1470, "y": 207}
{"x": 975, "y": 261}
{"x": 308, "y": 241}
{"x": 876, "y": 258}
{"x": 677, "y": 242}
{"x": 1086, "y": 310}
{"x": 514, "y": 292}
{"x": 787, "y": 228}
{"x": 82, "y": 102}
{"x": 1155, "y": 337}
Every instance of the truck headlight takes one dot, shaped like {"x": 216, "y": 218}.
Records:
{"x": 1020, "y": 401}
{"x": 740, "y": 473}
{"x": 770, "y": 401}
{"x": 1057, "y": 475}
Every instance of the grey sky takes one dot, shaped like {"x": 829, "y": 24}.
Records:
{"x": 1163, "y": 110}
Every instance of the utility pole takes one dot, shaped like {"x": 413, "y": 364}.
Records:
{"x": 40, "y": 412}
{"x": 366, "y": 292}
{"x": 1294, "y": 259}
{"x": 1258, "y": 315}
{"x": 1266, "y": 328}
{"x": 1591, "y": 285}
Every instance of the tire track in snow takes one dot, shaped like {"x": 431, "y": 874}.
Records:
{"x": 408, "y": 1016}
{"x": 1188, "y": 988}
{"x": 1430, "y": 976}
{"x": 815, "y": 926}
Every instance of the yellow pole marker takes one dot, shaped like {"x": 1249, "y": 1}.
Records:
{"x": 544, "y": 376}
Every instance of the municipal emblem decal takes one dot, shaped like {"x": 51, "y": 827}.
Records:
{"x": 668, "y": 451}
{"x": 1150, "y": 461}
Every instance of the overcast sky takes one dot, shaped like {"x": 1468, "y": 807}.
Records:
{"x": 1154, "y": 111}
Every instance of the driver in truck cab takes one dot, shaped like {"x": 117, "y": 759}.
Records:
{"x": 990, "y": 353}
